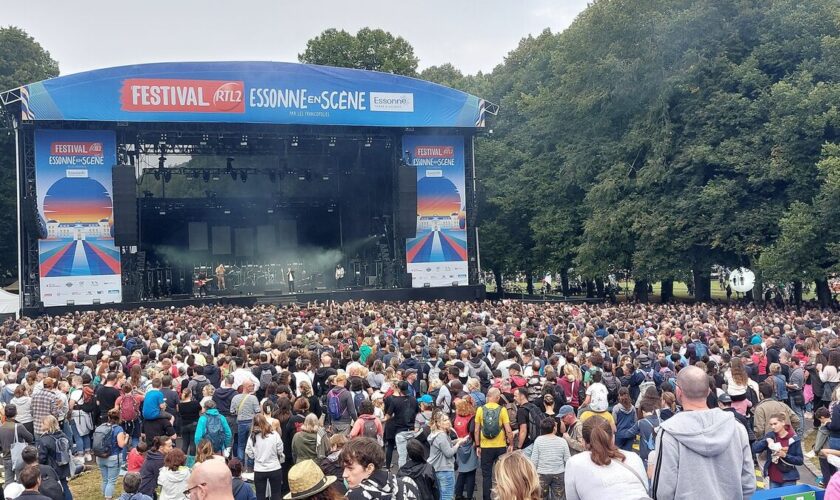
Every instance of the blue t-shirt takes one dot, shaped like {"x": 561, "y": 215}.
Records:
{"x": 115, "y": 448}
{"x": 151, "y": 405}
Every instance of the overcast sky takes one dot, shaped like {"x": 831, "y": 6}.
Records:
{"x": 88, "y": 34}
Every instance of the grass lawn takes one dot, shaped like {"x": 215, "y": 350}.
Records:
{"x": 87, "y": 485}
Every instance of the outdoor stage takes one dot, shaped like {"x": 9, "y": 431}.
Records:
{"x": 453, "y": 293}
{"x": 149, "y": 185}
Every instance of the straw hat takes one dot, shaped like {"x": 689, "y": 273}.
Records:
{"x": 307, "y": 479}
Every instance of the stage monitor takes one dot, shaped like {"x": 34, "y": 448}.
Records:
{"x": 198, "y": 236}
{"x": 221, "y": 240}
{"x": 125, "y": 206}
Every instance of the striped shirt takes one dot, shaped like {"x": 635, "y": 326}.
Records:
{"x": 550, "y": 454}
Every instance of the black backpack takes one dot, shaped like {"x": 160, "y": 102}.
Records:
{"x": 535, "y": 417}
{"x": 198, "y": 389}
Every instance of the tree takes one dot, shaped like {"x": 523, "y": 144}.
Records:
{"x": 445, "y": 74}
{"x": 22, "y": 61}
{"x": 371, "y": 49}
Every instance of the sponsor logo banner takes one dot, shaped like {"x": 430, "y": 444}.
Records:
{"x": 198, "y": 96}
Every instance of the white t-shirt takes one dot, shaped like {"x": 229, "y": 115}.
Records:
{"x": 587, "y": 481}
{"x": 598, "y": 395}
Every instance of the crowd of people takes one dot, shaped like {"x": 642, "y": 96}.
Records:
{"x": 426, "y": 400}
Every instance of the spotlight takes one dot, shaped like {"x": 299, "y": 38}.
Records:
{"x": 326, "y": 177}
{"x": 244, "y": 141}
{"x": 368, "y": 142}
{"x": 294, "y": 141}
{"x": 205, "y": 175}
{"x": 388, "y": 144}
{"x": 161, "y": 161}
{"x": 162, "y": 139}
{"x": 215, "y": 175}
{"x": 157, "y": 174}
{"x": 232, "y": 174}
{"x": 167, "y": 176}
{"x": 243, "y": 175}
{"x": 332, "y": 142}
{"x": 204, "y": 139}
{"x": 229, "y": 166}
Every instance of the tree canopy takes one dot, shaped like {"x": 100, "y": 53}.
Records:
{"x": 371, "y": 49}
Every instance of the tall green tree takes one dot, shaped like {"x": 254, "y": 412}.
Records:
{"x": 22, "y": 61}
{"x": 371, "y": 49}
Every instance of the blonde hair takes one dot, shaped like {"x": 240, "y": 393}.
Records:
{"x": 310, "y": 423}
{"x": 516, "y": 478}
{"x": 208, "y": 390}
{"x": 49, "y": 424}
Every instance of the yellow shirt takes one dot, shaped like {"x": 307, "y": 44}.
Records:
{"x": 498, "y": 441}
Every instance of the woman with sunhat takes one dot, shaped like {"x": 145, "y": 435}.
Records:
{"x": 307, "y": 482}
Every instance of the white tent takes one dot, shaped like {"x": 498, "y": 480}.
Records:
{"x": 9, "y": 302}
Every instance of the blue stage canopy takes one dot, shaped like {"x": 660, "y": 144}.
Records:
{"x": 249, "y": 92}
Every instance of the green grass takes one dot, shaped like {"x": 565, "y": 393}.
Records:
{"x": 88, "y": 485}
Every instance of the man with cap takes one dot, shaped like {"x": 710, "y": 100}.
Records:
{"x": 572, "y": 428}
{"x": 725, "y": 403}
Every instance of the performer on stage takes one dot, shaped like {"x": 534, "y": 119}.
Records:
{"x": 201, "y": 283}
{"x": 220, "y": 276}
{"x": 339, "y": 275}
{"x": 290, "y": 277}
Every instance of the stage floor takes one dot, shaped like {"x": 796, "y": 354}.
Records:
{"x": 456, "y": 293}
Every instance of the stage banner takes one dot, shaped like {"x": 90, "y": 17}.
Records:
{"x": 250, "y": 92}
{"x": 79, "y": 263}
{"x": 437, "y": 256}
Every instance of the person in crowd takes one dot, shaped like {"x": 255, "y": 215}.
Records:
{"x": 265, "y": 447}
{"x": 173, "y": 476}
{"x": 210, "y": 480}
{"x": 214, "y": 427}
{"x": 82, "y": 406}
{"x": 331, "y": 465}
{"x": 241, "y": 489}
{"x": 189, "y": 411}
{"x": 23, "y": 402}
{"x": 820, "y": 442}
{"x": 30, "y": 478}
{"x": 311, "y": 441}
{"x": 54, "y": 450}
{"x": 493, "y": 435}
{"x": 422, "y": 473}
{"x": 368, "y": 425}
{"x": 550, "y": 455}
{"x": 307, "y": 482}
{"x": 700, "y": 442}
{"x": 571, "y": 428}
{"x": 136, "y": 457}
{"x": 768, "y": 406}
{"x": 442, "y": 452}
{"x": 155, "y": 461}
{"x": 466, "y": 458}
{"x": 367, "y": 477}
{"x": 603, "y": 471}
{"x": 45, "y": 403}
{"x": 624, "y": 416}
{"x": 245, "y": 406}
{"x": 400, "y": 411}
{"x": 50, "y": 484}
{"x": 784, "y": 452}
{"x": 112, "y": 440}
{"x": 12, "y": 434}
{"x": 131, "y": 488}
{"x": 516, "y": 477}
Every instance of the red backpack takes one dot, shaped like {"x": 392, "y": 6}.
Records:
{"x": 128, "y": 411}
{"x": 462, "y": 425}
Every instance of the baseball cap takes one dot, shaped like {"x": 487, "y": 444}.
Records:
{"x": 565, "y": 410}
{"x": 425, "y": 398}
{"x": 725, "y": 398}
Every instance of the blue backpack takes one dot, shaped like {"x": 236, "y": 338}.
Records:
{"x": 215, "y": 432}
{"x": 334, "y": 403}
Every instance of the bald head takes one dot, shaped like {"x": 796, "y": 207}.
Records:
{"x": 693, "y": 383}
{"x": 211, "y": 480}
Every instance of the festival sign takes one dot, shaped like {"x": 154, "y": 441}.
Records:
{"x": 437, "y": 255}
{"x": 250, "y": 92}
{"x": 78, "y": 261}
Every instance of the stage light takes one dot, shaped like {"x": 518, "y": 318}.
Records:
{"x": 167, "y": 176}
{"x": 368, "y": 142}
{"x": 229, "y": 165}
{"x": 301, "y": 176}
{"x": 232, "y": 174}
{"x": 157, "y": 174}
{"x": 244, "y": 141}
{"x": 307, "y": 175}
{"x": 326, "y": 177}
{"x": 270, "y": 211}
{"x": 205, "y": 175}
{"x": 161, "y": 161}
{"x": 388, "y": 144}
{"x": 332, "y": 142}
{"x": 215, "y": 175}
{"x": 227, "y": 212}
{"x": 204, "y": 139}
{"x": 162, "y": 139}
{"x": 243, "y": 175}
{"x": 294, "y": 141}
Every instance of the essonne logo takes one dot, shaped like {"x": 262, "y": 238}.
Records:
{"x": 434, "y": 152}
{"x": 184, "y": 96}
{"x": 64, "y": 148}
